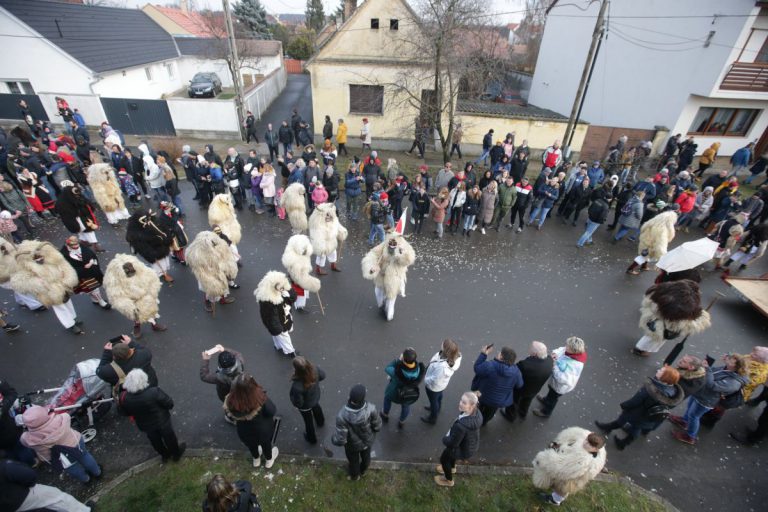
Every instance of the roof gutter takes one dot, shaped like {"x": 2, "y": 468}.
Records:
{"x": 97, "y": 79}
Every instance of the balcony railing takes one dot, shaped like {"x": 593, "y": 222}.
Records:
{"x": 746, "y": 76}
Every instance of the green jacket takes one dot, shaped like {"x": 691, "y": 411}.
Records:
{"x": 507, "y": 196}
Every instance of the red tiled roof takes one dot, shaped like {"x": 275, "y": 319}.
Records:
{"x": 193, "y": 22}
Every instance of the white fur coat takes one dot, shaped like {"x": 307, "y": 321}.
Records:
{"x": 295, "y": 203}
{"x": 325, "y": 230}
{"x": 297, "y": 260}
{"x": 212, "y": 262}
{"x": 649, "y": 312}
{"x": 271, "y": 287}
{"x": 656, "y": 234}
{"x": 567, "y": 468}
{"x": 135, "y": 297}
{"x": 106, "y": 190}
{"x": 221, "y": 213}
{"x": 7, "y": 260}
{"x": 50, "y": 279}
{"x": 387, "y": 265}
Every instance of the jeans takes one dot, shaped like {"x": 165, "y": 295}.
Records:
{"x": 435, "y": 402}
{"x": 353, "y": 206}
{"x": 177, "y": 202}
{"x": 484, "y": 157}
{"x": 457, "y": 148}
{"x": 750, "y": 178}
{"x": 587, "y": 236}
{"x": 439, "y": 229}
{"x": 84, "y": 468}
{"x": 736, "y": 169}
{"x": 376, "y": 230}
{"x": 310, "y": 417}
{"x": 405, "y": 409}
{"x": 623, "y": 230}
{"x": 455, "y": 217}
{"x": 160, "y": 194}
{"x": 287, "y": 148}
{"x": 359, "y": 460}
{"x": 535, "y": 213}
{"x": 693, "y": 415}
{"x": 164, "y": 440}
{"x": 343, "y": 149}
{"x": 469, "y": 221}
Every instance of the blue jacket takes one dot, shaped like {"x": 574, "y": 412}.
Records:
{"x": 548, "y": 200}
{"x": 648, "y": 188}
{"x": 296, "y": 176}
{"x": 351, "y": 184}
{"x": 78, "y": 119}
{"x": 741, "y": 157}
{"x": 496, "y": 381}
{"x": 596, "y": 176}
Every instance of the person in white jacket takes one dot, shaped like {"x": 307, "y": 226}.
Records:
{"x": 153, "y": 174}
{"x": 569, "y": 363}
{"x": 441, "y": 368}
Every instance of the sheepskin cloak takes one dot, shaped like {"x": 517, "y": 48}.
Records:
{"x": 295, "y": 203}
{"x": 212, "y": 262}
{"x": 656, "y": 234}
{"x": 148, "y": 237}
{"x": 275, "y": 296}
{"x": 568, "y": 467}
{"x": 297, "y": 260}
{"x": 134, "y": 297}
{"x": 221, "y": 213}
{"x": 325, "y": 230}
{"x": 51, "y": 282}
{"x": 106, "y": 190}
{"x": 388, "y": 270}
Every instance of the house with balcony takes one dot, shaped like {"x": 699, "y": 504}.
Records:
{"x": 695, "y": 67}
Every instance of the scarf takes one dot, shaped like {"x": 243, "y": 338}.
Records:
{"x": 582, "y": 357}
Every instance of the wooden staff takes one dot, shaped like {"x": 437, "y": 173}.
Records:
{"x": 679, "y": 347}
{"x": 322, "y": 310}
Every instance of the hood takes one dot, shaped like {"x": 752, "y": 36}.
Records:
{"x": 355, "y": 416}
{"x": 473, "y": 421}
{"x": 209, "y": 148}
{"x": 666, "y": 394}
{"x": 36, "y": 416}
{"x": 144, "y": 149}
{"x": 715, "y": 146}
{"x": 692, "y": 374}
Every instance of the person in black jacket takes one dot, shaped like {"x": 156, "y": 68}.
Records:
{"x": 20, "y": 491}
{"x": 276, "y": 296}
{"x": 223, "y": 496}
{"x": 126, "y": 355}
{"x": 356, "y": 426}
{"x": 86, "y": 265}
{"x": 648, "y": 408}
{"x": 285, "y": 136}
{"x": 597, "y": 214}
{"x": 273, "y": 142}
{"x": 576, "y": 200}
{"x": 150, "y": 408}
{"x": 536, "y": 370}
{"x": 622, "y": 199}
{"x": 231, "y": 365}
{"x": 250, "y": 128}
{"x": 421, "y": 202}
{"x": 135, "y": 167}
{"x": 76, "y": 213}
{"x": 305, "y": 395}
{"x": 10, "y": 433}
{"x": 254, "y": 413}
{"x": 462, "y": 440}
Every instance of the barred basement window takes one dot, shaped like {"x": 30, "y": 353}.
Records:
{"x": 394, "y": 24}
{"x": 366, "y": 99}
{"x": 375, "y": 23}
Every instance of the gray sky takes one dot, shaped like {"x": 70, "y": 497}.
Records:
{"x": 298, "y": 6}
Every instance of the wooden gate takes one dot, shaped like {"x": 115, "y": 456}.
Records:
{"x": 294, "y": 66}
{"x": 9, "y": 106}
{"x": 600, "y": 138}
{"x": 139, "y": 117}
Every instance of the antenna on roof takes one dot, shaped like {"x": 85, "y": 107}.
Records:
{"x": 61, "y": 35}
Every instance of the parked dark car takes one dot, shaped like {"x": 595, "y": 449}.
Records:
{"x": 204, "y": 84}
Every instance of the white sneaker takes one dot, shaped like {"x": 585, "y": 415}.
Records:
{"x": 482, "y": 230}
{"x": 271, "y": 462}
{"x": 257, "y": 460}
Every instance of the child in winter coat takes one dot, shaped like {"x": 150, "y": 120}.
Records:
{"x": 129, "y": 188}
{"x": 439, "y": 205}
{"x": 8, "y": 228}
{"x": 319, "y": 194}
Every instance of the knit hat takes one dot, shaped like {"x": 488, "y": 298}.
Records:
{"x": 356, "y": 396}
{"x": 185, "y": 148}
{"x": 5, "y": 215}
{"x": 423, "y": 167}
{"x": 383, "y": 196}
{"x": 227, "y": 359}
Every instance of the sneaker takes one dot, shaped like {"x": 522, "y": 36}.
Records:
{"x": 548, "y": 499}
{"x": 519, "y": 230}
{"x": 76, "y": 330}
{"x": 234, "y": 286}
{"x": 257, "y": 460}
{"x": 482, "y": 230}
{"x": 158, "y": 327}
{"x": 271, "y": 462}
{"x": 11, "y": 327}
{"x": 439, "y": 469}
{"x": 384, "y": 417}
{"x": 442, "y": 481}
{"x": 540, "y": 413}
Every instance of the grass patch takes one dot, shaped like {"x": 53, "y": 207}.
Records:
{"x": 226, "y": 96}
{"x": 303, "y": 486}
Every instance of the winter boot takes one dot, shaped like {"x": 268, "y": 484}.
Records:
{"x": 208, "y": 305}
{"x": 319, "y": 271}
{"x": 335, "y": 268}
{"x": 137, "y": 330}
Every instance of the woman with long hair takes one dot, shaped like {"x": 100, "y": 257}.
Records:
{"x": 441, "y": 368}
{"x": 247, "y": 403}
{"x": 462, "y": 440}
{"x": 222, "y": 495}
{"x": 305, "y": 395}
{"x": 470, "y": 210}
{"x": 457, "y": 198}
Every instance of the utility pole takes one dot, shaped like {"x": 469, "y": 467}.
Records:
{"x": 235, "y": 63}
{"x": 586, "y": 75}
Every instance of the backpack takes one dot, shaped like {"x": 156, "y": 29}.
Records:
{"x": 408, "y": 393}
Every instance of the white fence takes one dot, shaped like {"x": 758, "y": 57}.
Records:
{"x": 88, "y": 105}
{"x": 204, "y": 115}
{"x": 259, "y": 98}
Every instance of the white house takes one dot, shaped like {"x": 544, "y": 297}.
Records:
{"x": 696, "y": 67}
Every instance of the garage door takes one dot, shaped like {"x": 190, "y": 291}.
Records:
{"x": 139, "y": 117}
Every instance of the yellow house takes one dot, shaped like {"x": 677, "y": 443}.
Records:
{"x": 354, "y": 74}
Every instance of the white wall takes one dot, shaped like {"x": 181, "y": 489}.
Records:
{"x": 259, "y": 98}
{"x": 633, "y": 86}
{"x": 88, "y": 105}
{"x": 188, "y": 66}
{"x": 203, "y": 114}
{"x": 133, "y": 82}
{"x": 728, "y": 145}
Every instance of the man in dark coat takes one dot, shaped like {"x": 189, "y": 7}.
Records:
{"x": 250, "y": 128}
{"x": 356, "y": 426}
{"x": 328, "y": 129}
{"x": 496, "y": 380}
{"x": 285, "y": 136}
{"x": 272, "y": 140}
{"x": 150, "y": 409}
{"x": 125, "y": 355}
{"x": 371, "y": 173}
{"x": 535, "y": 371}
{"x": 135, "y": 168}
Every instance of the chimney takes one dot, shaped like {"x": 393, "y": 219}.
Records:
{"x": 184, "y": 6}
{"x": 349, "y": 8}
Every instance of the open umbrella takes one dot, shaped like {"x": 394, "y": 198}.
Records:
{"x": 689, "y": 255}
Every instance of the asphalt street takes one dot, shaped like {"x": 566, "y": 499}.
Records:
{"x": 506, "y": 288}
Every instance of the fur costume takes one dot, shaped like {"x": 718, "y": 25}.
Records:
{"x": 566, "y": 467}
{"x": 106, "y": 191}
{"x": 387, "y": 265}
{"x": 7, "y": 260}
{"x": 221, "y": 213}
{"x": 147, "y": 236}
{"x": 294, "y": 201}
{"x": 297, "y": 261}
{"x": 212, "y": 263}
{"x": 325, "y": 232}
{"x": 656, "y": 234}
{"x": 275, "y": 297}
{"x": 670, "y": 310}
{"x": 136, "y": 296}
{"x": 42, "y": 272}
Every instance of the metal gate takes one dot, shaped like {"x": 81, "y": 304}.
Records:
{"x": 9, "y": 106}
{"x": 139, "y": 117}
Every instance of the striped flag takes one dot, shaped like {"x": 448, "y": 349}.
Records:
{"x": 400, "y": 226}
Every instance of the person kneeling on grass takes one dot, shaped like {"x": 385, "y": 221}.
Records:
{"x": 224, "y": 496}
{"x": 462, "y": 440}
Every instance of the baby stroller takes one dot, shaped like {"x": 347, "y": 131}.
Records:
{"x": 83, "y": 395}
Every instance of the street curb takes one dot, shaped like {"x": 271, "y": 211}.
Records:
{"x": 375, "y": 464}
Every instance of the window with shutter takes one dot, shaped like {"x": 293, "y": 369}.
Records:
{"x": 366, "y": 99}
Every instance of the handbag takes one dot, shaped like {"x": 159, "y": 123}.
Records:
{"x": 408, "y": 394}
